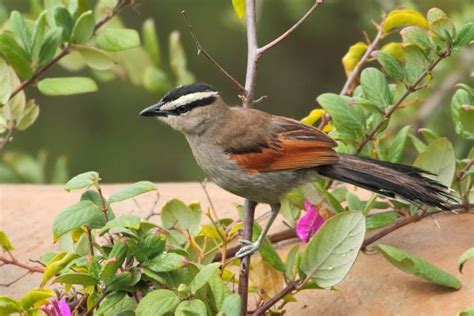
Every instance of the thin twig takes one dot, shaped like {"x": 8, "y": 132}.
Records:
{"x": 355, "y": 73}
{"x": 292, "y": 286}
{"x": 252, "y": 48}
{"x": 409, "y": 90}
{"x": 91, "y": 310}
{"x": 152, "y": 212}
{"x": 200, "y": 49}
{"x": 462, "y": 173}
{"x": 15, "y": 262}
{"x": 282, "y": 37}
{"x": 16, "y": 280}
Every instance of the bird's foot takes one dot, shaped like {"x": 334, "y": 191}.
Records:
{"x": 247, "y": 249}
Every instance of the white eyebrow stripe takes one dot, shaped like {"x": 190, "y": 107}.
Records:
{"x": 188, "y": 98}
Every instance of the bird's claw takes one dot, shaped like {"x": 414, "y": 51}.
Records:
{"x": 245, "y": 242}
{"x": 247, "y": 250}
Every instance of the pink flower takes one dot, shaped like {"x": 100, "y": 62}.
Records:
{"x": 309, "y": 223}
{"x": 56, "y": 308}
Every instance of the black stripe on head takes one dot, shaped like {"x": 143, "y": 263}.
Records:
{"x": 187, "y": 89}
{"x": 189, "y": 106}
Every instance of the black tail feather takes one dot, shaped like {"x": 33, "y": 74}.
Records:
{"x": 391, "y": 180}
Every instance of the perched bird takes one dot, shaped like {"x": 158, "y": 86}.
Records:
{"x": 261, "y": 157}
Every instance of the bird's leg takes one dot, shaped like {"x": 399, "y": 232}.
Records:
{"x": 249, "y": 247}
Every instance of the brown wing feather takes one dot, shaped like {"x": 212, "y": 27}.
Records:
{"x": 287, "y": 144}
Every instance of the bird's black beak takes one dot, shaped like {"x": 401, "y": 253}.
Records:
{"x": 154, "y": 110}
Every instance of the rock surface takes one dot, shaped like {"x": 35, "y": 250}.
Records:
{"x": 373, "y": 287}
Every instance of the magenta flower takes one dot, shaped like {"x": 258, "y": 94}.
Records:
{"x": 309, "y": 223}
{"x": 55, "y": 308}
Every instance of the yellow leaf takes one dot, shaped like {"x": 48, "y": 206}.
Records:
{"x": 394, "y": 49}
{"x": 239, "y": 7}
{"x": 268, "y": 280}
{"x": 401, "y": 18}
{"x": 329, "y": 127}
{"x": 352, "y": 57}
{"x": 236, "y": 228}
{"x": 212, "y": 232}
{"x": 313, "y": 117}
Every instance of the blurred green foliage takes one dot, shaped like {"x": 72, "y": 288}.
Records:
{"x": 102, "y": 131}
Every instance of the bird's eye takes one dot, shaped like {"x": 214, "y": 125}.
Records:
{"x": 182, "y": 109}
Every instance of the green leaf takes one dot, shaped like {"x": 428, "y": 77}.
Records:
{"x": 415, "y": 62}
{"x": 419, "y": 145}
{"x": 267, "y": 251}
{"x": 461, "y": 98}
{"x": 74, "y": 216}
{"x": 203, "y": 276}
{"x": 55, "y": 265}
{"x": 414, "y": 35}
{"x": 400, "y": 18}
{"x": 465, "y": 35}
{"x": 76, "y": 278}
{"x": 29, "y": 116}
{"x": 468, "y": 254}
{"x": 96, "y": 58}
{"x": 394, "y": 49}
{"x": 35, "y": 296}
{"x": 467, "y": 312}
{"x": 219, "y": 290}
{"x": 132, "y": 191}
{"x": 150, "y": 42}
{"x": 116, "y": 257}
{"x": 354, "y": 203}
{"x": 5, "y": 82}
{"x": 166, "y": 262}
{"x": 330, "y": 254}
{"x": 375, "y": 87}
{"x": 239, "y": 8}
{"x": 84, "y": 28}
{"x": 9, "y": 306}
{"x": 126, "y": 221}
{"x": 177, "y": 214}
{"x": 50, "y": 45}
{"x": 39, "y": 31}
{"x": 291, "y": 262}
{"x": 116, "y": 303}
{"x": 466, "y": 118}
{"x": 193, "y": 307}
{"x": 377, "y": 221}
{"x": 83, "y": 180}
{"x": 349, "y": 121}
{"x": 67, "y": 86}
{"x": 439, "y": 159}
{"x": 232, "y": 306}
{"x": 395, "y": 150}
{"x": 20, "y": 28}
{"x": 15, "y": 55}
{"x": 413, "y": 265}
{"x": 391, "y": 66}
{"x": 157, "y": 302}
{"x": 114, "y": 40}
{"x": 156, "y": 80}
{"x": 178, "y": 60}
{"x": 353, "y": 56}
{"x": 64, "y": 20}
{"x": 5, "y": 242}
{"x": 428, "y": 134}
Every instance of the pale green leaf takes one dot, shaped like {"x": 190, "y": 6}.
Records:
{"x": 203, "y": 276}
{"x": 51, "y": 42}
{"x": 67, "y": 86}
{"x": 115, "y": 39}
{"x": 76, "y": 278}
{"x": 56, "y": 264}
{"x": 414, "y": 265}
{"x": 231, "y": 306}
{"x": 82, "y": 213}
{"x": 468, "y": 254}
{"x": 96, "y": 58}
{"x": 84, "y": 28}
{"x": 375, "y": 87}
{"x": 35, "y": 296}
{"x": 177, "y": 214}
{"x": 166, "y": 262}
{"x": 125, "y": 221}
{"x": 193, "y": 307}
{"x": 157, "y": 302}
{"x": 82, "y": 180}
{"x": 132, "y": 191}
{"x": 438, "y": 159}
{"x": 29, "y": 116}
{"x": 391, "y": 66}
{"x": 150, "y": 42}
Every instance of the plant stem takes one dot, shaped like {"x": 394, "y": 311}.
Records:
{"x": 91, "y": 310}
{"x": 292, "y": 286}
{"x": 15, "y": 262}
{"x": 355, "y": 73}
{"x": 409, "y": 90}
{"x": 200, "y": 49}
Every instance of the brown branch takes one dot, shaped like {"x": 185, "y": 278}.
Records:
{"x": 292, "y": 286}
{"x": 409, "y": 90}
{"x": 252, "y": 48}
{"x": 462, "y": 173}
{"x": 16, "y": 280}
{"x": 279, "y": 39}
{"x": 15, "y": 262}
{"x": 200, "y": 49}
{"x": 355, "y": 73}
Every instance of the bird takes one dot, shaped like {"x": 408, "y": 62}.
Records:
{"x": 261, "y": 157}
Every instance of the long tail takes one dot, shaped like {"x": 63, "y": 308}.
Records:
{"x": 390, "y": 179}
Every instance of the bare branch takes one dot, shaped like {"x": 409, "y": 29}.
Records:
{"x": 200, "y": 49}
{"x": 355, "y": 73}
{"x": 252, "y": 48}
{"x": 292, "y": 286}
{"x": 279, "y": 39}
{"x": 16, "y": 280}
{"x": 15, "y": 262}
